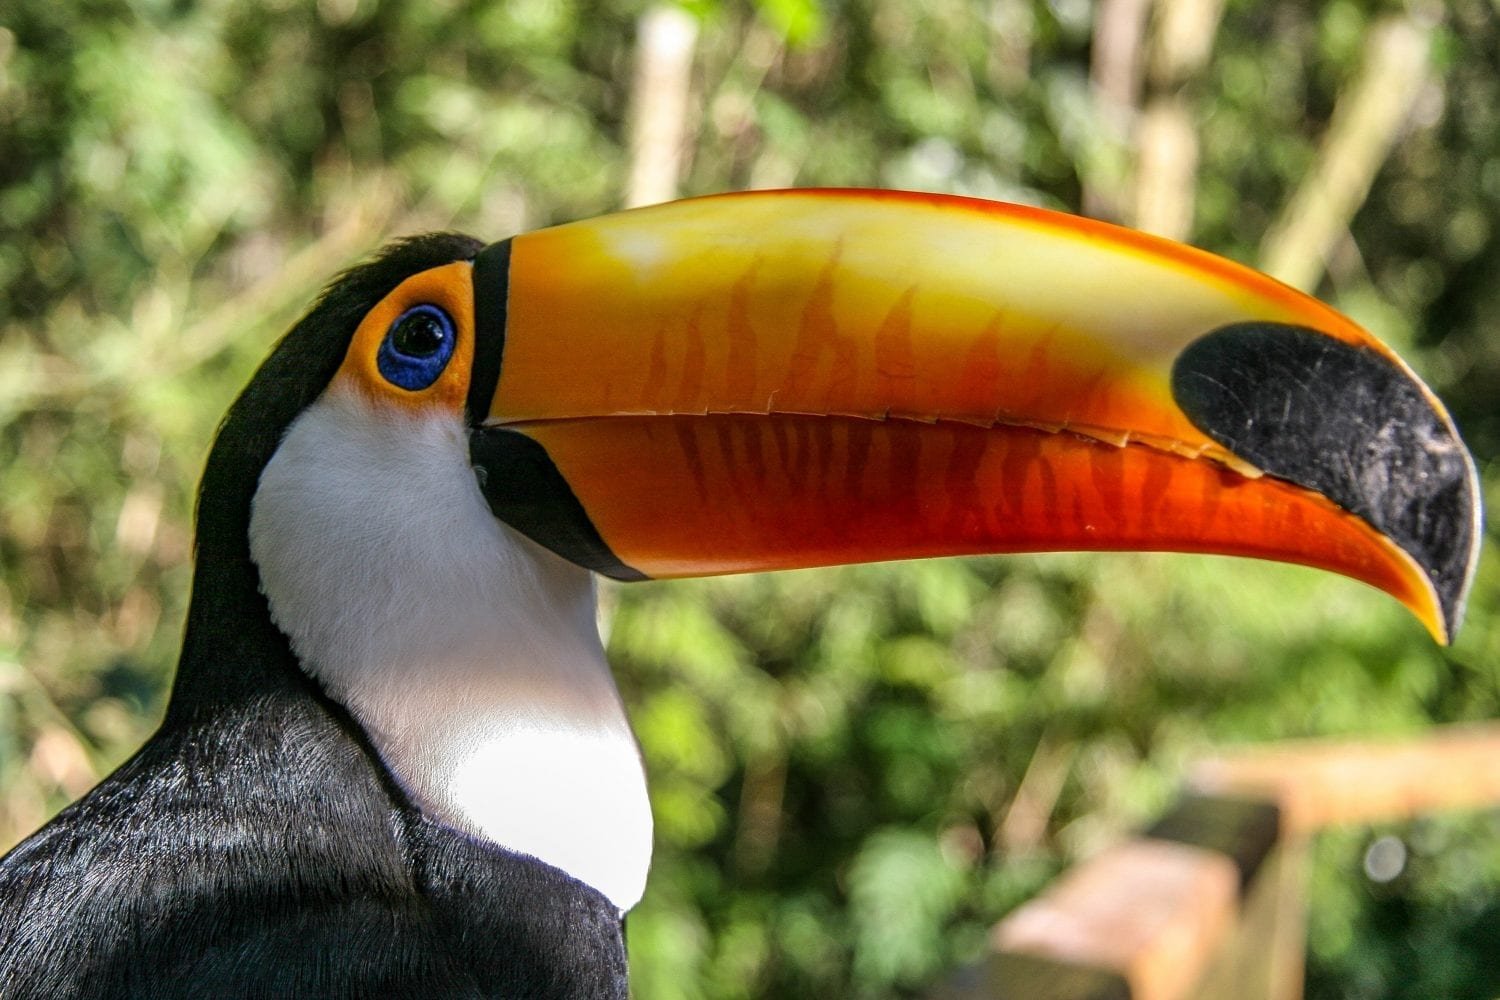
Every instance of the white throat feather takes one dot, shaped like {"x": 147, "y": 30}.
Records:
{"x": 468, "y": 653}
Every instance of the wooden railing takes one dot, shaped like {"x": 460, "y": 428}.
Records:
{"x": 1210, "y": 902}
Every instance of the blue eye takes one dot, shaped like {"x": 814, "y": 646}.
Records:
{"x": 416, "y": 348}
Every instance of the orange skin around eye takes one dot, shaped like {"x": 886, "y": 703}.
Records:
{"x": 450, "y": 288}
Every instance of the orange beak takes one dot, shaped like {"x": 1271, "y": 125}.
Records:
{"x": 800, "y": 378}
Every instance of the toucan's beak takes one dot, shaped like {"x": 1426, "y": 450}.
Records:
{"x": 772, "y": 380}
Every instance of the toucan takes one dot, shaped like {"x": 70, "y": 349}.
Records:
{"x": 394, "y": 762}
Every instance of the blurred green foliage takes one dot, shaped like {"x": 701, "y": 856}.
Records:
{"x": 834, "y": 755}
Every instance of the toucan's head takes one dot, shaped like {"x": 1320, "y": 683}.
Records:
{"x": 783, "y": 379}
{"x": 425, "y": 472}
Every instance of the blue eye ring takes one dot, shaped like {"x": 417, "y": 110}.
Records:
{"x": 416, "y": 348}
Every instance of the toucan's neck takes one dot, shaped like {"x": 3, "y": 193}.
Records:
{"x": 468, "y": 654}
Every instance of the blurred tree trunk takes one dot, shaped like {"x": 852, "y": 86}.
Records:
{"x": 1115, "y": 61}
{"x": 1145, "y": 57}
{"x": 666, "y": 39}
{"x": 1366, "y": 122}
{"x": 1166, "y": 136}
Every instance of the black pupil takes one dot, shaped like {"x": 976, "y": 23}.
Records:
{"x": 419, "y": 335}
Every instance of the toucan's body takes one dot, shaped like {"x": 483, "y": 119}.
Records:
{"x": 216, "y": 864}
{"x": 395, "y": 763}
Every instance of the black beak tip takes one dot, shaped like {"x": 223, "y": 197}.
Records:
{"x": 1346, "y": 422}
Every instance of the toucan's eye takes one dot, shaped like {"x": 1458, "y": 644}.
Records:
{"x": 417, "y": 347}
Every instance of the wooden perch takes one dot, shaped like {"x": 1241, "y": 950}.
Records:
{"x": 1146, "y": 910}
{"x": 1210, "y": 902}
{"x": 1320, "y": 783}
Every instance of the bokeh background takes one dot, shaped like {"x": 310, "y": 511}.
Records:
{"x": 854, "y": 771}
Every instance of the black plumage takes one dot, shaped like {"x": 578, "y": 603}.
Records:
{"x": 255, "y": 847}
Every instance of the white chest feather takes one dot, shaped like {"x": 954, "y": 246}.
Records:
{"x": 468, "y": 653}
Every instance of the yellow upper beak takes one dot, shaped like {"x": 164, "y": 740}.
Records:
{"x": 794, "y": 378}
